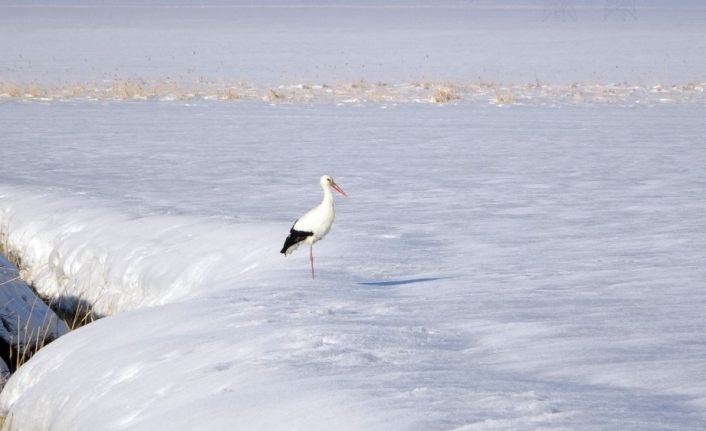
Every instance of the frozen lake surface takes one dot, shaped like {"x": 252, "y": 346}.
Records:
{"x": 547, "y": 274}
{"x": 514, "y": 41}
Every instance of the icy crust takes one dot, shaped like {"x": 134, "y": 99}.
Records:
{"x": 357, "y": 92}
{"x": 116, "y": 263}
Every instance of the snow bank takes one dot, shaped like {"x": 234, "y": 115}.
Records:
{"x": 217, "y": 358}
{"x": 118, "y": 263}
{"x": 193, "y": 361}
{"x": 189, "y": 366}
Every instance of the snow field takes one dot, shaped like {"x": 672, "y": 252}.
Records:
{"x": 478, "y": 277}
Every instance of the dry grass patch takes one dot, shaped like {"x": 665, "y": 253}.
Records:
{"x": 444, "y": 94}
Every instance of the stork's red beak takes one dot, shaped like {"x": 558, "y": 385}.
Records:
{"x": 337, "y": 188}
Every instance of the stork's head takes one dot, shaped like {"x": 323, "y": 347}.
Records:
{"x": 327, "y": 181}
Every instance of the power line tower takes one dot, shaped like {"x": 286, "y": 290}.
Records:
{"x": 559, "y": 10}
{"x": 620, "y": 9}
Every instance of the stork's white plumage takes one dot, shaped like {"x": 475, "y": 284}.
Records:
{"x": 315, "y": 224}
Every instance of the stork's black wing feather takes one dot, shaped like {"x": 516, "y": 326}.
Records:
{"x": 295, "y": 237}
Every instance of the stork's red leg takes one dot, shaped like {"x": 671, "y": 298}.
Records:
{"x": 311, "y": 258}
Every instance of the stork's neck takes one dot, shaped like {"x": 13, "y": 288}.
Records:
{"x": 328, "y": 196}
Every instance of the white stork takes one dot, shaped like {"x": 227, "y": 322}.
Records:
{"x": 315, "y": 224}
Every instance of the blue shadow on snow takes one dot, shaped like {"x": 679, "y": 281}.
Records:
{"x": 399, "y": 282}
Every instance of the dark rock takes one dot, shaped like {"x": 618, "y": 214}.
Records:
{"x": 26, "y": 322}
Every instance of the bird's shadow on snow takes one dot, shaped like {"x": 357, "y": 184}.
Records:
{"x": 383, "y": 283}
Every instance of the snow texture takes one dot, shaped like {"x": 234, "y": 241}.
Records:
{"x": 493, "y": 268}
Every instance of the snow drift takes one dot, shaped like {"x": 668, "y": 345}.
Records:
{"x": 118, "y": 263}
